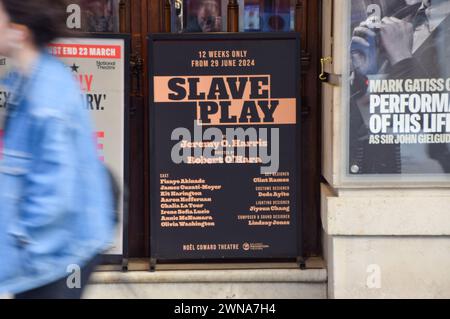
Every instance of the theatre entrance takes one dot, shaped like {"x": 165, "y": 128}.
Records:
{"x": 138, "y": 18}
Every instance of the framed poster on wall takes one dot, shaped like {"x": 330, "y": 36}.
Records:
{"x": 397, "y": 91}
{"x": 224, "y": 147}
{"x": 100, "y": 64}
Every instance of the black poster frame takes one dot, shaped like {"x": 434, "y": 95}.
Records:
{"x": 153, "y": 185}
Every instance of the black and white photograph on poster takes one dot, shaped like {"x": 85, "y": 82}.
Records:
{"x": 204, "y": 16}
{"x": 399, "y": 105}
{"x": 93, "y": 15}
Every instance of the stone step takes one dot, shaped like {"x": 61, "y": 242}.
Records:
{"x": 217, "y": 284}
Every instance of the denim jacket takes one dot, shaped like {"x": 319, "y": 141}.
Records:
{"x": 55, "y": 202}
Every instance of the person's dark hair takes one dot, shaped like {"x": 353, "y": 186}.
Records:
{"x": 44, "y": 18}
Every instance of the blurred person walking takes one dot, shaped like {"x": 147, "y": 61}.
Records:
{"x": 56, "y": 205}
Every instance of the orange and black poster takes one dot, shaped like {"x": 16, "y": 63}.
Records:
{"x": 224, "y": 146}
